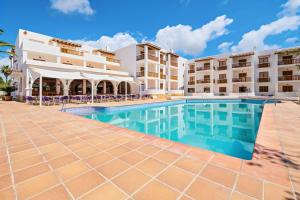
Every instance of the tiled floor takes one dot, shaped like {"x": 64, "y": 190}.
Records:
{"x": 47, "y": 154}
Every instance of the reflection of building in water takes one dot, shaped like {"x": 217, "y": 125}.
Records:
{"x": 199, "y": 122}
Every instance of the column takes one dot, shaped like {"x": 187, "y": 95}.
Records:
{"x": 212, "y": 77}
{"x": 41, "y": 89}
{"x": 274, "y": 78}
{"x": 66, "y": 87}
{"x": 93, "y": 86}
{"x": 229, "y": 76}
{"x": 169, "y": 72}
{"x": 84, "y": 87}
{"x": 125, "y": 91}
{"x": 29, "y": 82}
{"x": 57, "y": 84}
{"x": 146, "y": 67}
{"x": 253, "y": 66}
{"x": 159, "y": 70}
{"x": 104, "y": 87}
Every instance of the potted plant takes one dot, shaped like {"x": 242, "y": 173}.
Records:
{"x": 6, "y": 85}
{"x": 8, "y": 89}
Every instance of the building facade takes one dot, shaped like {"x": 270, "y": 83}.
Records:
{"x": 61, "y": 67}
{"x": 265, "y": 73}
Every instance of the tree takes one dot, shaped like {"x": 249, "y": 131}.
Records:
{"x": 6, "y": 45}
{"x": 6, "y": 71}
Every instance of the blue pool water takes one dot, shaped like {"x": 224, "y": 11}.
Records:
{"x": 224, "y": 126}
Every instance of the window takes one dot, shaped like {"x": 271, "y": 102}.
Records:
{"x": 191, "y": 90}
{"x": 263, "y": 60}
{"x": 207, "y": 90}
{"x": 287, "y": 88}
{"x": 222, "y": 76}
{"x": 242, "y": 75}
{"x": 263, "y": 89}
{"x": 242, "y": 60}
{"x": 206, "y": 65}
{"x": 222, "y": 89}
{"x": 161, "y": 86}
{"x": 222, "y": 63}
{"x": 287, "y": 57}
{"x": 287, "y": 73}
{"x": 263, "y": 74}
{"x": 243, "y": 89}
{"x": 206, "y": 77}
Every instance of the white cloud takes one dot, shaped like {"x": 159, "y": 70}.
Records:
{"x": 184, "y": 39}
{"x": 115, "y": 42}
{"x": 290, "y": 8}
{"x": 256, "y": 38}
{"x": 225, "y": 47}
{"x": 292, "y": 40}
{"x": 71, "y": 6}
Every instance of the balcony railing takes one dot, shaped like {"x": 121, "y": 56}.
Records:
{"x": 241, "y": 64}
{"x": 163, "y": 62}
{"x": 222, "y": 81}
{"x": 203, "y": 81}
{"x": 242, "y": 79}
{"x": 174, "y": 77}
{"x": 150, "y": 56}
{"x": 140, "y": 74}
{"x": 289, "y": 78}
{"x": 71, "y": 51}
{"x": 174, "y": 63}
{"x": 191, "y": 83}
{"x": 109, "y": 59}
{"x": 153, "y": 74}
{"x": 263, "y": 65}
{"x": 162, "y": 76}
{"x": 263, "y": 79}
{"x": 203, "y": 68}
{"x": 191, "y": 71}
{"x": 289, "y": 61}
{"x": 224, "y": 67}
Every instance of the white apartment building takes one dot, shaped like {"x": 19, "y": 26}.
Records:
{"x": 60, "y": 67}
{"x": 157, "y": 70}
{"x": 264, "y": 73}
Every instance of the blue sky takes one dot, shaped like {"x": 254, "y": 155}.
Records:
{"x": 192, "y": 28}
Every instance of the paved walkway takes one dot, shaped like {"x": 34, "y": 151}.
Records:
{"x": 47, "y": 154}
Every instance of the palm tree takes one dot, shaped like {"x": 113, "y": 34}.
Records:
{"x": 6, "y": 71}
{"x": 6, "y": 45}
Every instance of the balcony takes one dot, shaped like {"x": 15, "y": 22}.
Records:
{"x": 242, "y": 79}
{"x": 191, "y": 71}
{"x": 241, "y": 64}
{"x": 162, "y": 76}
{"x": 174, "y": 63}
{"x": 71, "y": 51}
{"x": 263, "y": 79}
{"x": 150, "y": 57}
{"x": 224, "y": 67}
{"x": 163, "y": 62}
{"x": 191, "y": 83}
{"x": 289, "y": 61}
{"x": 114, "y": 60}
{"x": 153, "y": 74}
{"x": 203, "y": 68}
{"x": 289, "y": 78}
{"x": 140, "y": 74}
{"x": 174, "y": 77}
{"x": 222, "y": 81}
{"x": 263, "y": 65}
{"x": 203, "y": 81}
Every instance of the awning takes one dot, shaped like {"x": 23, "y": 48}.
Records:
{"x": 67, "y": 75}
{"x": 98, "y": 77}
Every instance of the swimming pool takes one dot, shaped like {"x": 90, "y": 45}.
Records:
{"x": 225, "y": 126}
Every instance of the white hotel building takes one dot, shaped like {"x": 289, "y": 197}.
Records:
{"x": 66, "y": 68}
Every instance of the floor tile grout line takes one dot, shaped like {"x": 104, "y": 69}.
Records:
{"x": 51, "y": 168}
{"x": 9, "y": 160}
{"x": 195, "y": 177}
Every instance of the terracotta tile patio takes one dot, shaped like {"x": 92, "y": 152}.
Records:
{"x": 47, "y": 154}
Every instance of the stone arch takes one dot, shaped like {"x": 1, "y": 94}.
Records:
{"x": 121, "y": 88}
{"x": 105, "y": 87}
{"x": 51, "y": 87}
{"x": 76, "y": 87}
